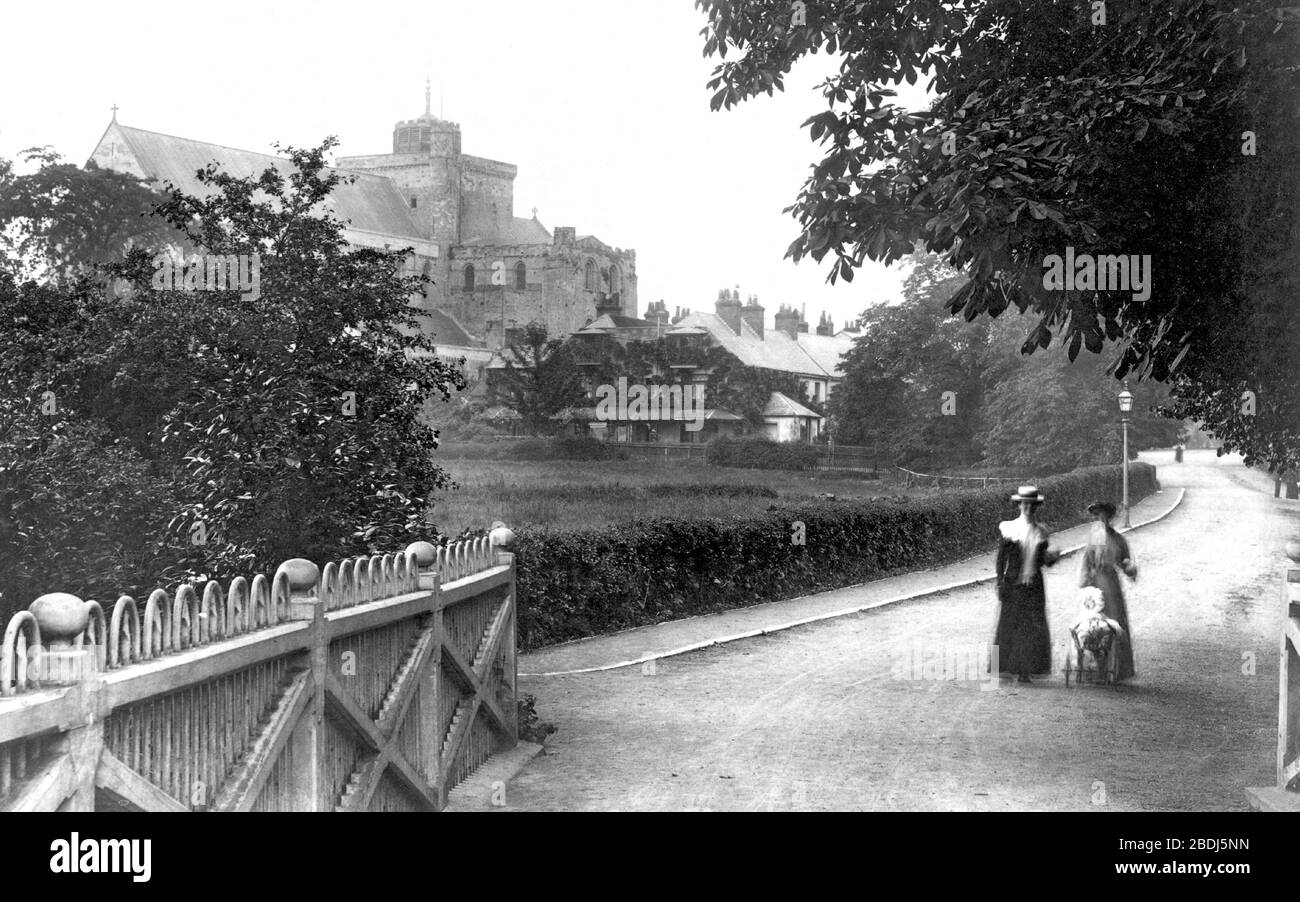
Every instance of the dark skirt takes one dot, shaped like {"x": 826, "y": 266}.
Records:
{"x": 1022, "y": 641}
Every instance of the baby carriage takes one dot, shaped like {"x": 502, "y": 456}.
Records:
{"x": 1093, "y": 652}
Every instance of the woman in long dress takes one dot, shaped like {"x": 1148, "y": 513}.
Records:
{"x": 1106, "y": 555}
{"x": 1022, "y": 641}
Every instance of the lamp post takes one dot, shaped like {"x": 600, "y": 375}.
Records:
{"x": 1125, "y": 408}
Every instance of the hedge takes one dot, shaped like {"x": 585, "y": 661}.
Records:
{"x": 578, "y": 583}
{"x": 762, "y": 454}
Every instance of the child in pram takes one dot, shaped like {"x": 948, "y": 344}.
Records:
{"x": 1093, "y": 636}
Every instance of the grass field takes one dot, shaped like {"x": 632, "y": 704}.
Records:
{"x": 580, "y": 493}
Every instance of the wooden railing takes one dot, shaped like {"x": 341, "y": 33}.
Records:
{"x": 1285, "y": 796}
{"x": 922, "y": 479}
{"x": 376, "y": 684}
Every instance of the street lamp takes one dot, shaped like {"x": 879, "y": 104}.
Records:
{"x": 1125, "y": 408}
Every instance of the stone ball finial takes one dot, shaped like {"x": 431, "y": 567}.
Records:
{"x": 501, "y": 534}
{"x": 1292, "y": 551}
{"x": 303, "y": 575}
{"x": 425, "y": 553}
{"x": 60, "y": 616}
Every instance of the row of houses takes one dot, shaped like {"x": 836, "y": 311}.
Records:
{"x": 692, "y": 344}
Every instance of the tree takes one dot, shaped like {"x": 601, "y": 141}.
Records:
{"x": 539, "y": 379}
{"x": 930, "y": 391}
{"x": 66, "y": 220}
{"x": 286, "y": 424}
{"x": 914, "y": 382}
{"x": 1052, "y": 415}
{"x": 1166, "y": 128}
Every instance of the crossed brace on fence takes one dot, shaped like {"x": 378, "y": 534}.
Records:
{"x": 375, "y": 684}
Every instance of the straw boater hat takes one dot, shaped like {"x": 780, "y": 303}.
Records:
{"x": 1029, "y": 493}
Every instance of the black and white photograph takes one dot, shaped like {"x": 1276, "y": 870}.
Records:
{"x": 629, "y": 406}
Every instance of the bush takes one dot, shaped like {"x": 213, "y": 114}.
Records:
{"x": 762, "y": 454}
{"x": 79, "y": 512}
{"x": 576, "y": 583}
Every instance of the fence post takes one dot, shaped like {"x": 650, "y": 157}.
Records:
{"x": 1288, "y": 704}
{"x": 431, "y": 685}
{"x": 62, "y": 618}
{"x": 307, "y": 743}
{"x": 1282, "y": 797}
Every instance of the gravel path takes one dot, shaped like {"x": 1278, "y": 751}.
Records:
{"x": 818, "y": 718}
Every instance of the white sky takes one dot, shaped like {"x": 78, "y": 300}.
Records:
{"x": 600, "y": 103}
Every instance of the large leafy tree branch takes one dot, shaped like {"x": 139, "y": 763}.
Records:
{"x": 1050, "y": 129}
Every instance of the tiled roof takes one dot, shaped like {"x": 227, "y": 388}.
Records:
{"x": 608, "y": 322}
{"x": 372, "y": 203}
{"x": 529, "y": 231}
{"x": 776, "y": 351}
{"x": 828, "y": 351}
{"x": 525, "y": 232}
{"x": 780, "y": 405}
{"x": 810, "y": 355}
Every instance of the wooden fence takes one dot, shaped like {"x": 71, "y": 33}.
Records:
{"x": 374, "y": 685}
{"x": 1285, "y": 796}
{"x": 922, "y": 479}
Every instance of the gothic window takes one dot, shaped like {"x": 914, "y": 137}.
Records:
{"x": 615, "y": 278}
{"x": 591, "y": 275}
{"x": 521, "y": 275}
{"x": 469, "y": 277}
{"x": 414, "y": 203}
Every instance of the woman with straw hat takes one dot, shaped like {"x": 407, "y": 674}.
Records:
{"x": 1023, "y": 644}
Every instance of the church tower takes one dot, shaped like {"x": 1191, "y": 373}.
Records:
{"x": 426, "y": 165}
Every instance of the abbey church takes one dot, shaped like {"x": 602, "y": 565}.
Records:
{"x": 493, "y": 271}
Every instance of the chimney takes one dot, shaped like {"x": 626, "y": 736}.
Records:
{"x": 565, "y": 235}
{"x": 728, "y": 309}
{"x": 787, "y": 321}
{"x": 657, "y": 312}
{"x": 824, "y": 325}
{"x": 752, "y": 314}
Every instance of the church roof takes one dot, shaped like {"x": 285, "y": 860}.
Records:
{"x": 372, "y": 203}
{"x": 448, "y": 333}
{"x": 518, "y": 232}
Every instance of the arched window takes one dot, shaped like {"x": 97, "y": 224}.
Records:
{"x": 591, "y": 275}
{"x": 521, "y": 275}
{"x": 615, "y": 279}
{"x": 469, "y": 277}
{"x": 414, "y": 203}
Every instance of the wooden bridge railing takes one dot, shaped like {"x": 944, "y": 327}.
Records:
{"x": 1285, "y": 796}
{"x": 376, "y": 684}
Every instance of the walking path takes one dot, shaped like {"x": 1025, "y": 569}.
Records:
{"x": 647, "y": 643}
{"x": 819, "y": 717}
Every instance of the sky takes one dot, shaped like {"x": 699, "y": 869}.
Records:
{"x": 601, "y": 104}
